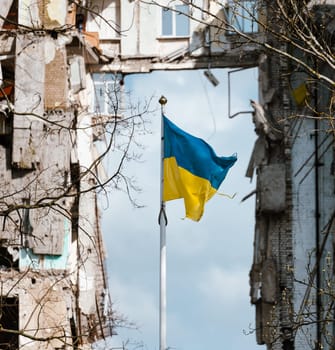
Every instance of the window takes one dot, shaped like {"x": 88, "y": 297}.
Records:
{"x": 107, "y": 93}
{"x": 4, "y": 129}
{"x": 242, "y": 15}
{"x": 6, "y": 118}
{"x": 175, "y": 21}
{"x": 9, "y": 314}
{"x": 9, "y": 258}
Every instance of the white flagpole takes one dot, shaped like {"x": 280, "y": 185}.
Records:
{"x": 162, "y": 219}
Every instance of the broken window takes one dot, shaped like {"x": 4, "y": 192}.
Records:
{"x": 6, "y": 72}
{"x": 80, "y": 21}
{"x": 102, "y": 93}
{"x": 6, "y": 120}
{"x": 6, "y": 96}
{"x": 9, "y": 320}
{"x": 9, "y": 258}
{"x": 175, "y": 21}
{"x": 107, "y": 94}
{"x": 242, "y": 15}
{"x": 74, "y": 333}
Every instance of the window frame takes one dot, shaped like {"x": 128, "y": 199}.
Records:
{"x": 106, "y": 83}
{"x": 242, "y": 20}
{"x": 175, "y": 30}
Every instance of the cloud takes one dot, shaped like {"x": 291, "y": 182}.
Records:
{"x": 139, "y": 308}
{"x": 142, "y": 308}
{"x": 226, "y": 286}
{"x": 203, "y": 108}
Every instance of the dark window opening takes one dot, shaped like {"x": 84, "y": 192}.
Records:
{"x": 80, "y": 22}
{"x": 7, "y": 261}
{"x": 75, "y": 180}
{"x": 288, "y": 341}
{"x": 74, "y": 333}
{"x": 6, "y": 101}
{"x": 7, "y": 76}
{"x": 6, "y": 126}
{"x": 9, "y": 320}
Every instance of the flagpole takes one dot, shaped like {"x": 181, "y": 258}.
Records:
{"x": 162, "y": 219}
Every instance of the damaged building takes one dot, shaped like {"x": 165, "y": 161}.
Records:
{"x": 56, "y": 57}
{"x": 54, "y": 292}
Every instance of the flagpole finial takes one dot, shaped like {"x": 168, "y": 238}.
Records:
{"x": 162, "y": 100}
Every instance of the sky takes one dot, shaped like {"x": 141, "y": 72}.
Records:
{"x": 208, "y": 262}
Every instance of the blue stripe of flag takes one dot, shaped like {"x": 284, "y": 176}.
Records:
{"x": 195, "y": 155}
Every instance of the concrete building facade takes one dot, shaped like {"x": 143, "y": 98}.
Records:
{"x": 54, "y": 290}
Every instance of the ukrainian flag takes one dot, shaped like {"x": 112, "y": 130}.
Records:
{"x": 192, "y": 170}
